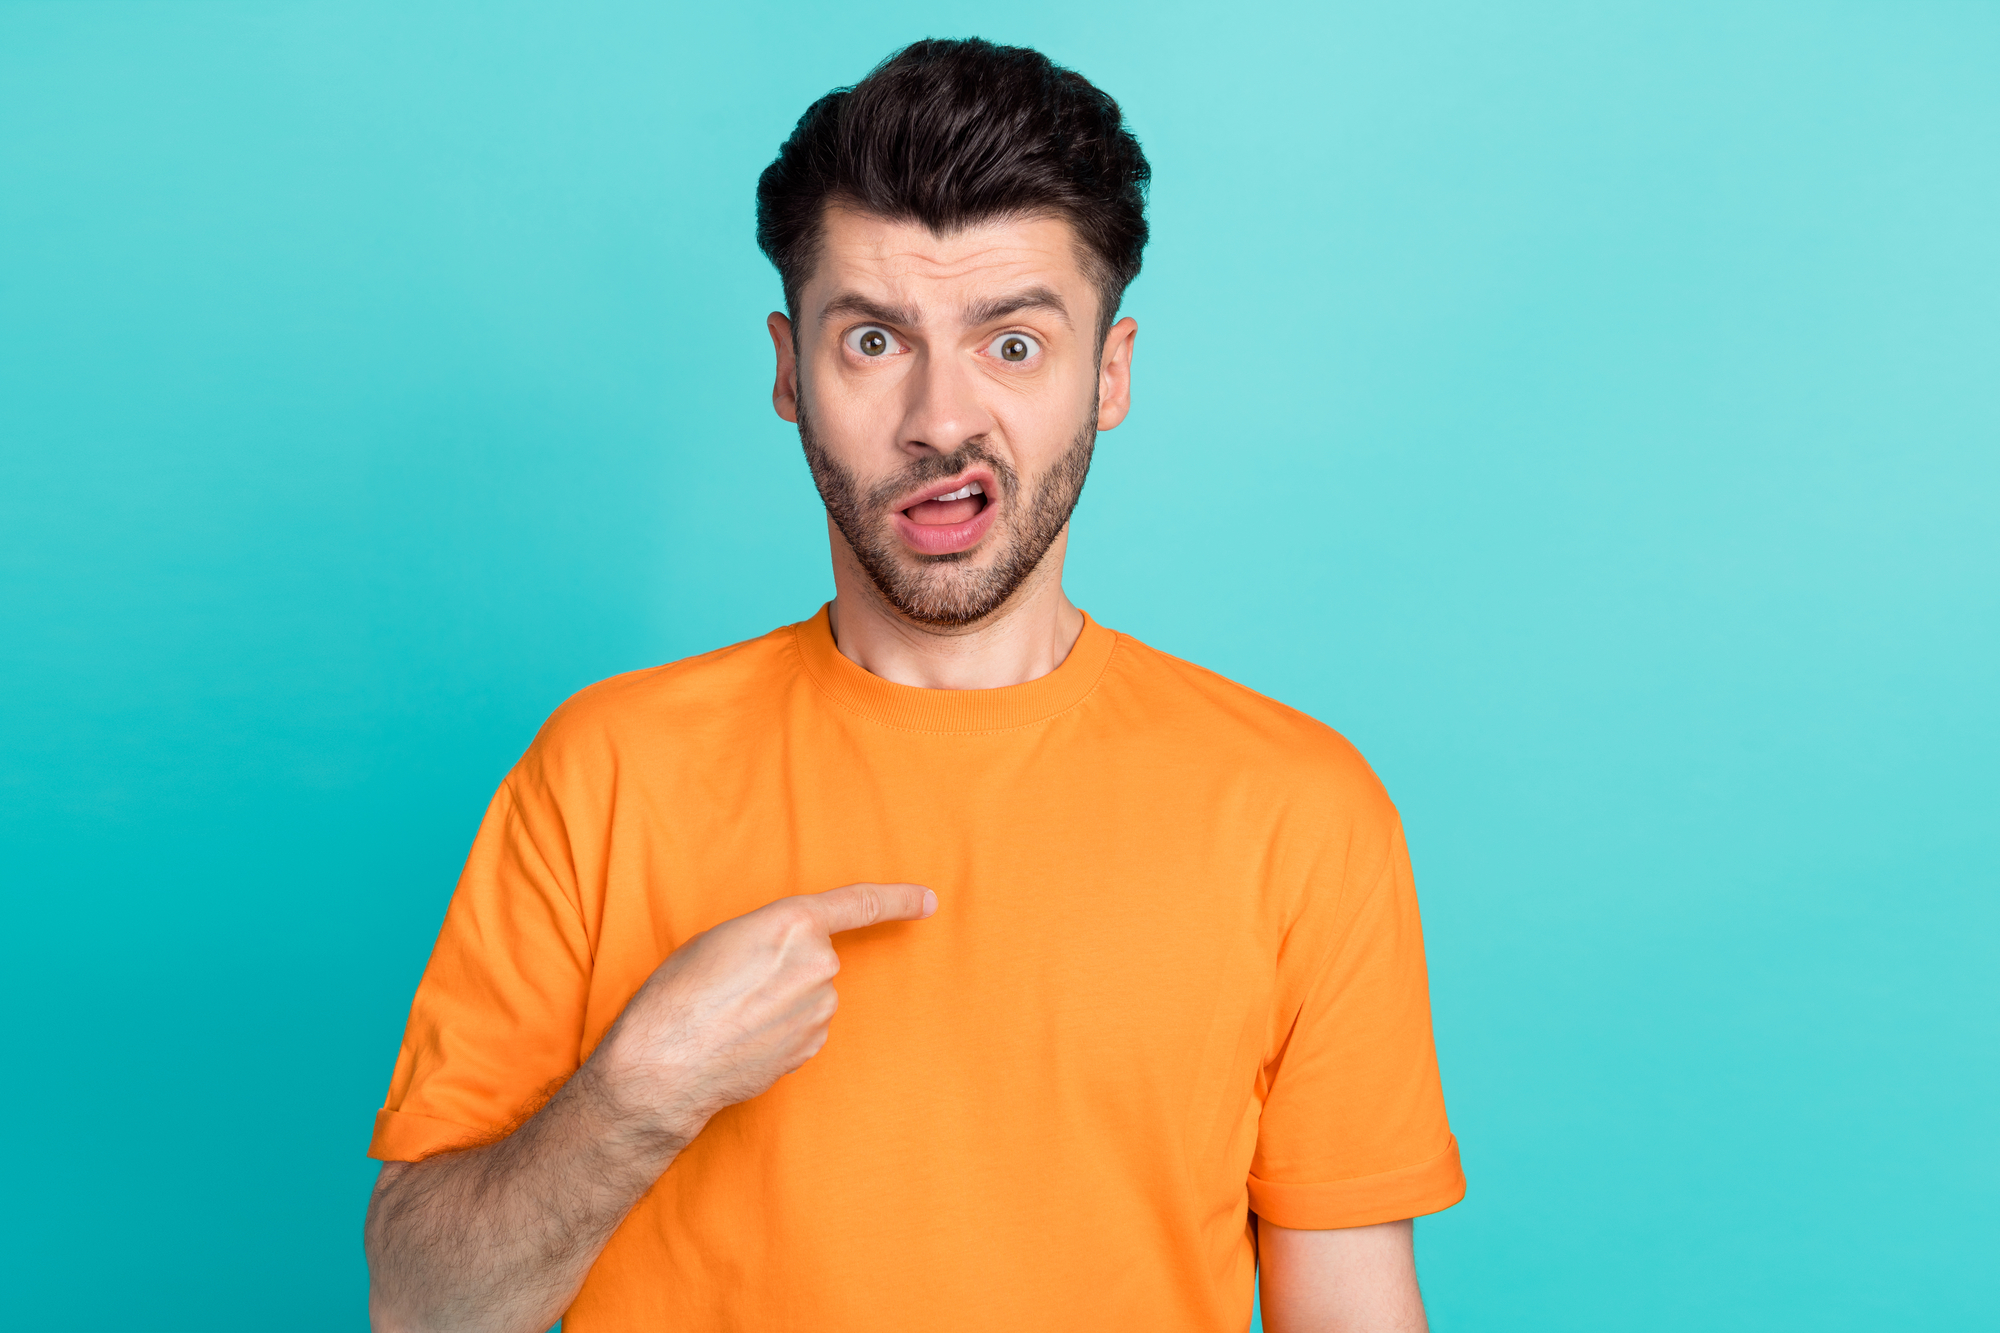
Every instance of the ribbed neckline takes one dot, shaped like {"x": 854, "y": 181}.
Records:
{"x": 913, "y": 708}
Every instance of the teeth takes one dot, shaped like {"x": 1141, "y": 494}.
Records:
{"x": 970, "y": 488}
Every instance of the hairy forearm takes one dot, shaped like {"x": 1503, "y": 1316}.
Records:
{"x": 499, "y": 1238}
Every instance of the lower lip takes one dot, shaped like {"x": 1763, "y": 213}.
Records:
{"x": 943, "y": 538}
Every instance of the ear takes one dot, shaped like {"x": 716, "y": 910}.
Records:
{"x": 1114, "y": 374}
{"x": 785, "y": 391}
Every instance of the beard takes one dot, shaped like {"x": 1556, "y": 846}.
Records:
{"x": 949, "y": 591}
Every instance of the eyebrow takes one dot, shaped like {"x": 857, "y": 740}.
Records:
{"x": 999, "y": 307}
{"x": 853, "y": 305}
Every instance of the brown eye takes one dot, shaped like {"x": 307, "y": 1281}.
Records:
{"x": 1014, "y": 347}
{"x": 872, "y": 341}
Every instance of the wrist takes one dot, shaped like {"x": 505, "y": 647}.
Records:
{"x": 638, "y": 1101}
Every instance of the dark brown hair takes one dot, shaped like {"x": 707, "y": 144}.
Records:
{"x": 951, "y": 133}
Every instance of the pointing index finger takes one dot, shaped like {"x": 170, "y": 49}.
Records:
{"x": 853, "y": 906}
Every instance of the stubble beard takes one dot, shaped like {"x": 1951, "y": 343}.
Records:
{"x": 949, "y": 591}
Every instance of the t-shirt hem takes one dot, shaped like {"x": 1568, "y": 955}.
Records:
{"x": 1388, "y": 1196}
{"x": 404, "y": 1136}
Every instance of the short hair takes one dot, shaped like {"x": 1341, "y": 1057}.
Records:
{"x": 954, "y": 133}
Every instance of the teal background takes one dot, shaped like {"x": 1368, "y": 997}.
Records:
{"x": 1591, "y": 409}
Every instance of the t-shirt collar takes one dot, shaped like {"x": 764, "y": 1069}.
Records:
{"x": 913, "y": 708}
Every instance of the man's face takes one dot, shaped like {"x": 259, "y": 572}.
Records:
{"x": 948, "y": 391}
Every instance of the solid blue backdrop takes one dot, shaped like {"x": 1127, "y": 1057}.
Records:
{"x": 1589, "y": 409}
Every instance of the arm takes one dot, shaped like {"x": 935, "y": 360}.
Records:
{"x": 500, "y": 1237}
{"x": 1348, "y": 1280}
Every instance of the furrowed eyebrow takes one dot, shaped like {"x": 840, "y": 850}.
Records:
{"x": 853, "y": 305}
{"x": 999, "y": 307}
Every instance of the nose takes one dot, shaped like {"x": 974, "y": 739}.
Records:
{"x": 944, "y": 408}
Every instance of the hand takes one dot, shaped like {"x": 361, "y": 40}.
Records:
{"x": 739, "y": 1006}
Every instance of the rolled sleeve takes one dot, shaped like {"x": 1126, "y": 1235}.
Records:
{"x": 405, "y": 1136}
{"x": 1353, "y": 1130}
{"x": 1387, "y": 1196}
{"x": 496, "y": 1024}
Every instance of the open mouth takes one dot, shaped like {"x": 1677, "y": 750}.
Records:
{"x": 952, "y": 507}
{"x": 951, "y": 518}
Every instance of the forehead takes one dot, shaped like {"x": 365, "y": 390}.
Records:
{"x": 909, "y": 264}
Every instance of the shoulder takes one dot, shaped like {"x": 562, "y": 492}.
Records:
{"x": 1320, "y": 814}
{"x": 1235, "y": 726}
{"x": 677, "y": 704}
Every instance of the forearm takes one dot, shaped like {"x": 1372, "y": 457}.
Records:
{"x": 499, "y": 1238}
{"x": 1349, "y": 1280}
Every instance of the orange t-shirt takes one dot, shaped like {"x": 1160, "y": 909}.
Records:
{"x": 1175, "y": 978}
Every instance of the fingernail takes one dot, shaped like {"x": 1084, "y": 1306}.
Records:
{"x": 930, "y": 902}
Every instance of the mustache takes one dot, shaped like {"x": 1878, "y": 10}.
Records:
{"x": 939, "y": 467}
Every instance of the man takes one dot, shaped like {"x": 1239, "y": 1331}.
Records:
{"x": 1130, "y": 978}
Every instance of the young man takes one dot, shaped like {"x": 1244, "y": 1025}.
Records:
{"x": 1130, "y": 979}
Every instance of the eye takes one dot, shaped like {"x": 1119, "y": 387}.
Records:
{"x": 872, "y": 340}
{"x": 1013, "y": 347}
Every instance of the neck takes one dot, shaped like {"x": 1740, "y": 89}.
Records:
{"x": 1028, "y": 637}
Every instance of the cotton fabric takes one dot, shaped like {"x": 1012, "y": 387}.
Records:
{"x": 1176, "y": 978}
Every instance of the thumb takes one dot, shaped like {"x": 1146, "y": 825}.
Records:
{"x": 852, "y": 906}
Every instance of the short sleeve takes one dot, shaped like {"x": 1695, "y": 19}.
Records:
{"x": 498, "y": 1018}
{"x": 1353, "y": 1128}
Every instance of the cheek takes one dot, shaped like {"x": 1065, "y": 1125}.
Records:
{"x": 839, "y": 403}
{"x": 853, "y": 430}
{"x": 1042, "y": 424}
{"x": 858, "y": 396}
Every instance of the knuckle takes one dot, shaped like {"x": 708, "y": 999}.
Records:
{"x": 788, "y": 921}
